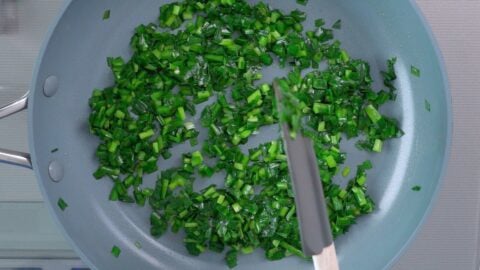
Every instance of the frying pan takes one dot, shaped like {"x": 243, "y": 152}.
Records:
{"x": 72, "y": 63}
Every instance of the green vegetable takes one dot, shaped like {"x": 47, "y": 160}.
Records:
{"x": 146, "y": 134}
{"x": 106, "y": 14}
{"x": 231, "y": 258}
{"x": 62, "y": 204}
{"x": 116, "y": 251}
{"x": 427, "y": 105}
{"x": 319, "y": 22}
{"x": 377, "y": 146}
{"x": 415, "y": 71}
{"x": 346, "y": 171}
{"x": 302, "y": 2}
{"x": 373, "y": 114}
{"x": 197, "y": 158}
{"x": 54, "y": 150}
{"x": 216, "y": 53}
{"x": 389, "y": 77}
{"x": 337, "y": 24}
{"x": 416, "y": 188}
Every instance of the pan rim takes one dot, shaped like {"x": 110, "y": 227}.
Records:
{"x": 448, "y": 144}
{"x": 31, "y": 104}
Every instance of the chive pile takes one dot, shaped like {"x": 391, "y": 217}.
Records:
{"x": 214, "y": 51}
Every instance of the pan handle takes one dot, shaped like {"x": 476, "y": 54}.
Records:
{"x": 11, "y": 156}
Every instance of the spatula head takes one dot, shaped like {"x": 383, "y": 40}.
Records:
{"x": 309, "y": 198}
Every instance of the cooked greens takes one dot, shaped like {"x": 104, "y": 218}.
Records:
{"x": 214, "y": 51}
{"x": 427, "y": 105}
{"x": 415, "y": 71}
{"x": 416, "y": 188}
{"x": 106, "y": 14}
{"x": 62, "y": 204}
{"x": 116, "y": 251}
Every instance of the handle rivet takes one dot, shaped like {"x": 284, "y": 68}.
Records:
{"x": 55, "y": 171}
{"x": 50, "y": 87}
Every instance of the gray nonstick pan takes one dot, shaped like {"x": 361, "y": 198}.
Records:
{"x": 72, "y": 63}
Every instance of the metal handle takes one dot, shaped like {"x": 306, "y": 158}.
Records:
{"x": 11, "y": 156}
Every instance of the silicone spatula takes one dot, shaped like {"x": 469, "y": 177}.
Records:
{"x": 316, "y": 235}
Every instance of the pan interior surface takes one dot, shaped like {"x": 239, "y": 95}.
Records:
{"x": 373, "y": 30}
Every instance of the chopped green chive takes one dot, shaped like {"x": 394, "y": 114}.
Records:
{"x": 346, "y": 171}
{"x": 119, "y": 114}
{"x": 321, "y": 108}
{"x": 214, "y": 58}
{"x": 146, "y": 134}
{"x": 292, "y": 249}
{"x": 230, "y": 45}
{"x": 241, "y": 63}
{"x": 377, "y": 146}
{"x": 373, "y": 114}
{"x": 254, "y": 97}
{"x": 319, "y": 22}
{"x": 221, "y": 199}
{"x": 197, "y": 158}
{"x": 236, "y": 207}
{"x": 239, "y": 166}
{"x": 247, "y": 250}
{"x": 106, "y": 14}
{"x": 415, "y": 71}
{"x": 361, "y": 180}
{"x": 54, "y": 150}
{"x": 321, "y": 126}
{"x": 116, "y": 251}
{"x": 416, "y": 188}
{"x": 302, "y": 2}
{"x": 190, "y": 225}
{"x": 427, "y": 105}
{"x": 359, "y": 195}
{"x": 231, "y": 258}
{"x": 331, "y": 162}
{"x": 337, "y": 24}
{"x": 112, "y": 146}
{"x": 62, "y": 204}
{"x": 181, "y": 113}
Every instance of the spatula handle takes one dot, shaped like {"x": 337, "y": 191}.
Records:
{"x": 327, "y": 260}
